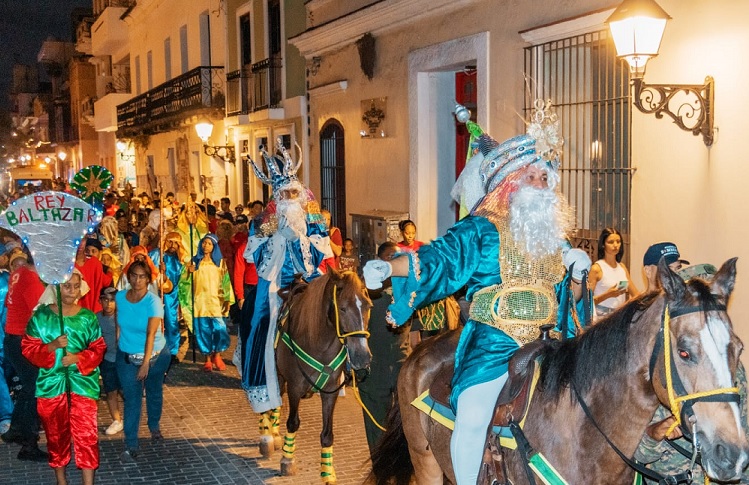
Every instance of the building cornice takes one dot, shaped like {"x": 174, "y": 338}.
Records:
{"x": 582, "y": 24}
{"x": 376, "y": 19}
{"x": 328, "y": 89}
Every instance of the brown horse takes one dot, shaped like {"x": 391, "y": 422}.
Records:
{"x": 325, "y": 329}
{"x": 610, "y": 368}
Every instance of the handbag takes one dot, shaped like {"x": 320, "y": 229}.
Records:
{"x": 137, "y": 359}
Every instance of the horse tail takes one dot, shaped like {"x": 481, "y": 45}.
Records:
{"x": 391, "y": 461}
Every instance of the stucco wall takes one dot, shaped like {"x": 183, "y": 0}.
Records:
{"x": 683, "y": 191}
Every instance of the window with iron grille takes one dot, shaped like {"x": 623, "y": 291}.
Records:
{"x": 333, "y": 173}
{"x": 589, "y": 88}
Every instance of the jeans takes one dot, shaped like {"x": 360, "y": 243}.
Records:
{"x": 132, "y": 392}
{"x": 25, "y": 420}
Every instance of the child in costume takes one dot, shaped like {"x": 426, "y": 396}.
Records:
{"x": 68, "y": 384}
{"x": 210, "y": 306}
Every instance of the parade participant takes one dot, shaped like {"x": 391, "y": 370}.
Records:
{"x": 23, "y": 295}
{"x": 110, "y": 237}
{"x": 192, "y": 225}
{"x": 408, "y": 232}
{"x": 112, "y": 387}
{"x": 290, "y": 239}
{"x": 609, "y": 277}
{"x": 336, "y": 240}
{"x": 87, "y": 262}
{"x": 171, "y": 270}
{"x": 208, "y": 280}
{"x": 349, "y": 258}
{"x": 140, "y": 254}
{"x": 112, "y": 265}
{"x": 6, "y": 403}
{"x": 142, "y": 357}
{"x": 68, "y": 384}
{"x": 509, "y": 254}
{"x": 389, "y": 347}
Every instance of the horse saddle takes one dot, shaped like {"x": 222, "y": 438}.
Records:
{"x": 297, "y": 286}
{"x": 512, "y": 402}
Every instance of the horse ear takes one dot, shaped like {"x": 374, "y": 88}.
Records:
{"x": 724, "y": 279}
{"x": 671, "y": 282}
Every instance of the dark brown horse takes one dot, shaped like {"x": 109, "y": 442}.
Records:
{"x": 610, "y": 366}
{"x": 324, "y": 328}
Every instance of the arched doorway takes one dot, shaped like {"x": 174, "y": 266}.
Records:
{"x": 333, "y": 173}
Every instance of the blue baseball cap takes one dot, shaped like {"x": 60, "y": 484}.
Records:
{"x": 667, "y": 250}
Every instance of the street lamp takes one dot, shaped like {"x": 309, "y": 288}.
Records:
{"x": 122, "y": 148}
{"x": 204, "y": 129}
{"x": 637, "y": 28}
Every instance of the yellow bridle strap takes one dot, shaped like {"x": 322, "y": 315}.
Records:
{"x": 674, "y": 400}
{"x": 338, "y": 321}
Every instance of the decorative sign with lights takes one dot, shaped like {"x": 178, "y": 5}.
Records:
{"x": 91, "y": 182}
{"x": 52, "y": 225}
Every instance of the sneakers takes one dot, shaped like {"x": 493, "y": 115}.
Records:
{"x": 4, "y": 426}
{"x": 219, "y": 362}
{"x": 32, "y": 453}
{"x": 128, "y": 456}
{"x": 157, "y": 436}
{"x": 114, "y": 428}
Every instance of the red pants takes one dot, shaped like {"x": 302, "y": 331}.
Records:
{"x": 62, "y": 422}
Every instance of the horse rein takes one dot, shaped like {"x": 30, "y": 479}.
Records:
{"x": 673, "y": 384}
{"x": 342, "y": 336}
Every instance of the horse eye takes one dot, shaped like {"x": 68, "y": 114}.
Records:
{"x": 684, "y": 354}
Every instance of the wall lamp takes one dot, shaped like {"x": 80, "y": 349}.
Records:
{"x": 122, "y": 149}
{"x": 637, "y": 28}
{"x": 204, "y": 128}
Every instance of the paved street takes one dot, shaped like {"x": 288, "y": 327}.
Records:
{"x": 211, "y": 437}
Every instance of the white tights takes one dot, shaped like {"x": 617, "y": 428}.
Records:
{"x": 475, "y": 410}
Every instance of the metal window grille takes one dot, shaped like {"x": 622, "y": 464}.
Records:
{"x": 333, "y": 173}
{"x": 589, "y": 87}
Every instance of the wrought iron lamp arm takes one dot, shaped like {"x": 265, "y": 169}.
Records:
{"x": 228, "y": 154}
{"x": 692, "y": 111}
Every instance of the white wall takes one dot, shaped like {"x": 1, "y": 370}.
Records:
{"x": 683, "y": 191}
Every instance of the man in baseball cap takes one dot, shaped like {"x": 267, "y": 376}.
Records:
{"x": 653, "y": 255}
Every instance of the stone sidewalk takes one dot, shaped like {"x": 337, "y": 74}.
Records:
{"x": 211, "y": 437}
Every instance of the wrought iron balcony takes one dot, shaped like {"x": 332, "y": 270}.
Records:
{"x": 255, "y": 88}
{"x": 166, "y": 106}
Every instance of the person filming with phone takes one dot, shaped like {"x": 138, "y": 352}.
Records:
{"x": 609, "y": 277}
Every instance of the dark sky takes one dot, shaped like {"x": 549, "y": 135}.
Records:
{"x": 24, "y": 25}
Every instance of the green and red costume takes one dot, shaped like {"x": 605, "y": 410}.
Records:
{"x": 61, "y": 418}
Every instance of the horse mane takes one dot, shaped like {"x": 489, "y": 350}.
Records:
{"x": 601, "y": 351}
{"x": 596, "y": 354}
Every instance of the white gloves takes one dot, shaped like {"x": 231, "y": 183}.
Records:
{"x": 375, "y": 272}
{"x": 580, "y": 259}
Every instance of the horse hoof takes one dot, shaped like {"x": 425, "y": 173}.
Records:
{"x": 288, "y": 467}
{"x": 266, "y": 446}
{"x": 277, "y": 441}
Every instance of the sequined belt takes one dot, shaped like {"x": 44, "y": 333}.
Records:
{"x": 517, "y": 310}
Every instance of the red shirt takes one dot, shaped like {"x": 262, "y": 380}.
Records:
{"x": 93, "y": 273}
{"x": 244, "y": 272}
{"x": 412, "y": 248}
{"x": 24, "y": 291}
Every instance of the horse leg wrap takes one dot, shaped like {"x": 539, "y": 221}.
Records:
{"x": 289, "y": 445}
{"x": 264, "y": 423}
{"x": 275, "y": 420}
{"x": 327, "y": 473}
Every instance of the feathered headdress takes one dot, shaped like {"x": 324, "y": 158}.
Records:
{"x": 281, "y": 168}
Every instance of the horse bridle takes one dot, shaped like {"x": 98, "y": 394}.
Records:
{"x": 363, "y": 333}
{"x": 674, "y": 384}
{"x": 681, "y": 405}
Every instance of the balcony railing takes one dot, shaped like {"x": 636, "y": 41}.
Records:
{"x": 255, "y": 88}
{"x": 166, "y": 105}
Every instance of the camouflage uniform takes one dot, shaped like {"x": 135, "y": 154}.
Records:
{"x": 661, "y": 457}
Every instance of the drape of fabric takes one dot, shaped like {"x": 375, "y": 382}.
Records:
{"x": 63, "y": 420}
{"x": 212, "y": 290}
{"x": 277, "y": 260}
{"x": 467, "y": 255}
{"x": 84, "y": 339}
{"x": 93, "y": 273}
{"x": 173, "y": 268}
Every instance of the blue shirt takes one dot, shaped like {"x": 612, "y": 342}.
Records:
{"x": 132, "y": 319}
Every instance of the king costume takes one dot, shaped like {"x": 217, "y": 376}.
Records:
{"x": 278, "y": 252}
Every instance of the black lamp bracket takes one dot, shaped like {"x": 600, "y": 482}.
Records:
{"x": 689, "y": 105}
{"x": 224, "y": 152}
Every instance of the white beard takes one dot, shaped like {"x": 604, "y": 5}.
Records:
{"x": 540, "y": 219}
{"x": 291, "y": 219}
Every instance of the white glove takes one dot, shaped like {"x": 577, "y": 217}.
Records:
{"x": 375, "y": 272}
{"x": 581, "y": 261}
